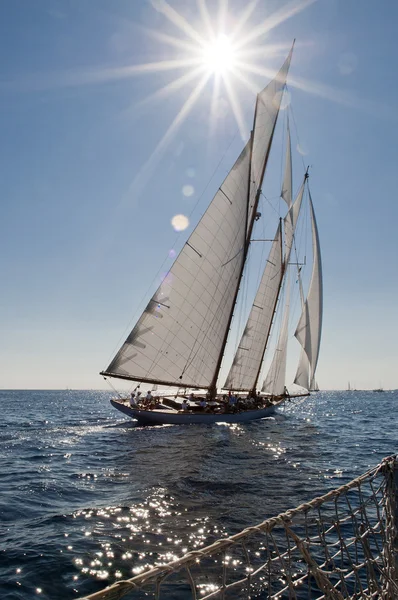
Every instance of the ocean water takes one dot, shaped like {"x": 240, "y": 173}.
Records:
{"x": 87, "y": 497}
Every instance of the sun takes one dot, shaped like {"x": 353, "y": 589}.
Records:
{"x": 202, "y": 55}
{"x": 220, "y": 56}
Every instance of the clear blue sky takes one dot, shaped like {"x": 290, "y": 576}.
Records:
{"x": 85, "y": 211}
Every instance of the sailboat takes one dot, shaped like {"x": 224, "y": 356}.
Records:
{"x": 180, "y": 339}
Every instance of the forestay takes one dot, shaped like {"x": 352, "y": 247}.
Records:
{"x": 178, "y": 338}
{"x": 244, "y": 372}
{"x": 309, "y": 328}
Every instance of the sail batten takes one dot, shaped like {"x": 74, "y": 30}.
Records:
{"x": 309, "y": 327}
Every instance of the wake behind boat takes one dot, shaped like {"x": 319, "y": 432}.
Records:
{"x": 181, "y": 337}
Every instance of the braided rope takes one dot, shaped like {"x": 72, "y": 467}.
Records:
{"x": 363, "y": 563}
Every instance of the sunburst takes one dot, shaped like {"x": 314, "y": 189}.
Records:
{"x": 211, "y": 52}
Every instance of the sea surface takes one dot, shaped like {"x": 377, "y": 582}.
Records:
{"x": 87, "y": 497}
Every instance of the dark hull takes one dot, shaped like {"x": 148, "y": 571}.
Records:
{"x": 174, "y": 417}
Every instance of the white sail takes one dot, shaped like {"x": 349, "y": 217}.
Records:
{"x": 287, "y": 186}
{"x": 249, "y": 355}
{"x": 309, "y": 328}
{"x": 267, "y": 109}
{"x": 274, "y": 383}
{"x": 314, "y": 387}
{"x": 178, "y": 338}
{"x": 302, "y": 377}
{"x": 290, "y": 222}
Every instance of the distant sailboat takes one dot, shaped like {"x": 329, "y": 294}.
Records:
{"x": 180, "y": 339}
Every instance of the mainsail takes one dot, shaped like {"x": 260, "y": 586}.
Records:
{"x": 245, "y": 368}
{"x": 309, "y": 328}
{"x": 180, "y": 337}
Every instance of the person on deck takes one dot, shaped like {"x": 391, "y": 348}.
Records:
{"x": 185, "y": 405}
{"x": 133, "y": 400}
{"x": 233, "y": 402}
{"x": 203, "y": 403}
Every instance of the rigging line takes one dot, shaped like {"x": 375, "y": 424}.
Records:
{"x": 273, "y": 207}
{"x": 114, "y": 389}
{"x": 140, "y": 309}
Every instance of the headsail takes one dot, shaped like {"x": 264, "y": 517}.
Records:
{"x": 309, "y": 328}
{"x": 302, "y": 377}
{"x": 177, "y": 339}
{"x": 249, "y": 355}
{"x": 274, "y": 383}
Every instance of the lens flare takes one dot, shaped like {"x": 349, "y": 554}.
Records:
{"x": 188, "y": 190}
{"x": 180, "y": 222}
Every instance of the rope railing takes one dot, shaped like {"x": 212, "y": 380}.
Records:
{"x": 342, "y": 545}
